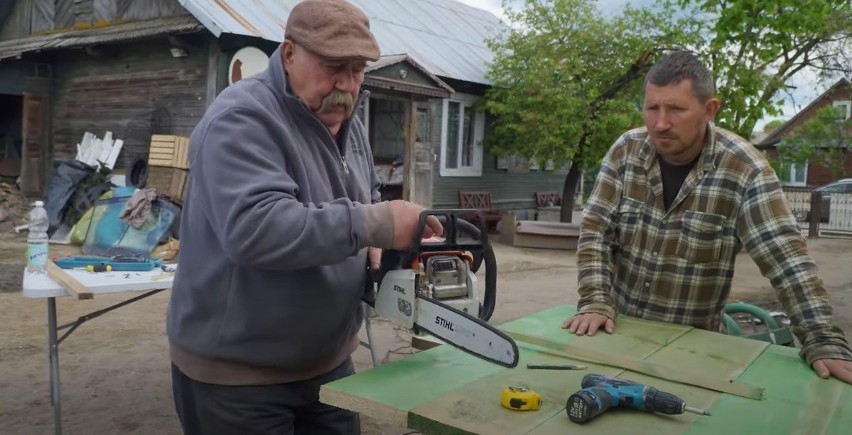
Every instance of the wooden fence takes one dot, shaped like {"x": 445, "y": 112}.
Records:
{"x": 803, "y": 199}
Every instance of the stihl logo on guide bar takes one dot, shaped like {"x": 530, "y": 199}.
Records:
{"x": 444, "y": 322}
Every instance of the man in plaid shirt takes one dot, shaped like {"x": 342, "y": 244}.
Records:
{"x": 673, "y": 204}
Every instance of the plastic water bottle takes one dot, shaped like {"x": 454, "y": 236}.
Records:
{"x": 37, "y": 255}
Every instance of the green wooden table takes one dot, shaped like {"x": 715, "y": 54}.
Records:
{"x": 444, "y": 390}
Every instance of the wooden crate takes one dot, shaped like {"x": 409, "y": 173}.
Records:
{"x": 171, "y": 182}
{"x": 168, "y": 151}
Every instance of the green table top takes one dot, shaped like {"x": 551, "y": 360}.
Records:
{"x": 444, "y": 390}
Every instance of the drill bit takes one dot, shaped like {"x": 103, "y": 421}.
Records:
{"x": 694, "y": 410}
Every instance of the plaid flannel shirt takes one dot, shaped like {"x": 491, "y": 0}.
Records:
{"x": 639, "y": 259}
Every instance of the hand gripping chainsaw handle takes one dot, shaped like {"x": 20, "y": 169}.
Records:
{"x": 459, "y": 235}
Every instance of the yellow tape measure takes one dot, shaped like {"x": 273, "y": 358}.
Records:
{"x": 520, "y": 399}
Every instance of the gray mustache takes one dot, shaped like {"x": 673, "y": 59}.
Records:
{"x": 337, "y": 98}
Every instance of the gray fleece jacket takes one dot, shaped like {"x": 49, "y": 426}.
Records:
{"x": 273, "y": 231}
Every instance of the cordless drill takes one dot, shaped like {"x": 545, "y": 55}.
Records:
{"x": 600, "y": 393}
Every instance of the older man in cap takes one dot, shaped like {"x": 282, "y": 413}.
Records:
{"x": 281, "y": 217}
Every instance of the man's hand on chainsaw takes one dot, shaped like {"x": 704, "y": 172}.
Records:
{"x": 374, "y": 256}
{"x": 589, "y": 323}
{"x": 406, "y": 219}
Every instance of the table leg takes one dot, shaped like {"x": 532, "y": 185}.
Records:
{"x": 53, "y": 352}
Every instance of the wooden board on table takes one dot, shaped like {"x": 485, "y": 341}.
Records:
{"x": 458, "y": 394}
{"x": 390, "y": 391}
{"x": 476, "y": 407}
{"x": 68, "y": 282}
{"x": 797, "y": 401}
{"x": 698, "y": 351}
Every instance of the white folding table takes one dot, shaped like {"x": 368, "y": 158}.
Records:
{"x": 41, "y": 286}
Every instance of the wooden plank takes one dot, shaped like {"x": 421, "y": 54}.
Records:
{"x": 104, "y": 10}
{"x": 797, "y": 400}
{"x": 163, "y": 138}
{"x": 165, "y": 163}
{"x": 43, "y": 16}
{"x": 389, "y": 391}
{"x": 68, "y": 282}
{"x": 397, "y": 389}
{"x": 657, "y": 370}
{"x": 701, "y": 351}
{"x": 463, "y": 400}
{"x": 476, "y": 407}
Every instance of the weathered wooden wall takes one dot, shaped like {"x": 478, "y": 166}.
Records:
{"x": 28, "y": 17}
{"x": 140, "y": 92}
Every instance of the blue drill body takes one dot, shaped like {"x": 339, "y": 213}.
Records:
{"x": 601, "y": 393}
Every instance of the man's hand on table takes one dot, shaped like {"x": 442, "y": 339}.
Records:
{"x": 839, "y": 368}
{"x": 589, "y": 323}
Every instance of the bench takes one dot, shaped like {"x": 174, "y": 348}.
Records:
{"x": 547, "y": 199}
{"x": 548, "y": 206}
{"x": 538, "y": 234}
{"x": 480, "y": 200}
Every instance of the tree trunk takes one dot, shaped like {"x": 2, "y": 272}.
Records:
{"x": 569, "y": 190}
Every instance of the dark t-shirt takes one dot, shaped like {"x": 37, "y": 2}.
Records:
{"x": 673, "y": 177}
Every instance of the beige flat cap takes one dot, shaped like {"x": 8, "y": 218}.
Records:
{"x": 334, "y": 29}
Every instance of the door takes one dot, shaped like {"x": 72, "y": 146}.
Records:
{"x": 34, "y": 149}
{"x": 423, "y": 157}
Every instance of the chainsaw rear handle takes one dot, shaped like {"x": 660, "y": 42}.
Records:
{"x": 477, "y": 245}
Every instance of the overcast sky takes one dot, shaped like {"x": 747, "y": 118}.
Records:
{"x": 807, "y": 87}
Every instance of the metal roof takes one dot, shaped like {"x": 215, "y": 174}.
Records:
{"x": 100, "y": 35}
{"x": 444, "y": 36}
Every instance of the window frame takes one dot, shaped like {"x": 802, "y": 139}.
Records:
{"x": 844, "y": 103}
{"x": 466, "y": 102}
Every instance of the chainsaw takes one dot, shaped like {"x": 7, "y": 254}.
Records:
{"x": 434, "y": 287}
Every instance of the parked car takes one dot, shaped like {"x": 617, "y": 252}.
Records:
{"x": 840, "y": 186}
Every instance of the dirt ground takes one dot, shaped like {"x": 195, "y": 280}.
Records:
{"x": 115, "y": 370}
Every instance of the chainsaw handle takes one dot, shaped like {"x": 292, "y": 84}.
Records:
{"x": 452, "y": 221}
{"x": 479, "y": 247}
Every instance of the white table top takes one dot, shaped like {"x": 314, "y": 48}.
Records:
{"x": 41, "y": 286}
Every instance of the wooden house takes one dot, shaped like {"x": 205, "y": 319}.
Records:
{"x": 814, "y": 173}
{"x": 144, "y": 67}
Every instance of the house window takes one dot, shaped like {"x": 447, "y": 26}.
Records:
{"x": 846, "y": 108}
{"x": 461, "y": 141}
{"x": 794, "y": 174}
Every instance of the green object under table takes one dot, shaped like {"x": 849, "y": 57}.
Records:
{"x": 446, "y": 391}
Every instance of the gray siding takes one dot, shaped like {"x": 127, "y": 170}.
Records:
{"x": 140, "y": 92}
{"x": 29, "y": 17}
{"x": 509, "y": 190}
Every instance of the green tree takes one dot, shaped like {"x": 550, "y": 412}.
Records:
{"x": 755, "y": 47}
{"x": 825, "y": 139}
{"x": 567, "y": 81}
{"x": 772, "y": 125}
